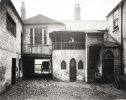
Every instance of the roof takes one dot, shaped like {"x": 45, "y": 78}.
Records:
{"x": 41, "y": 19}
{"x": 77, "y": 32}
{"x": 14, "y": 9}
{"x": 110, "y": 44}
{"x": 82, "y": 31}
{"x": 114, "y": 8}
{"x": 85, "y": 24}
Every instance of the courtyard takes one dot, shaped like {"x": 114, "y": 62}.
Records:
{"x": 43, "y": 89}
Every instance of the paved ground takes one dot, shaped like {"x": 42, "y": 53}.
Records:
{"x": 51, "y": 90}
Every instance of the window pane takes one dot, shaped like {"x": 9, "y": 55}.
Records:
{"x": 80, "y": 65}
{"x": 63, "y": 65}
{"x": 11, "y": 25}
{"x": 45, "y": 38}
{"x": 38, "y": 36}
{"x": 115, "y": 23}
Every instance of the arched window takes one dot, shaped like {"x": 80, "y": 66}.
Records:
{"x": 80, "y": 65}
{"x": 109, "y": 55}
{"x": 63, "y": 65}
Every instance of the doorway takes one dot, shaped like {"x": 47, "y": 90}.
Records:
{"x": 108, "y": 65}
{"x": 93, "y": 61}
{"x": 13, "y": 71}
{"x": 72, "y": 70}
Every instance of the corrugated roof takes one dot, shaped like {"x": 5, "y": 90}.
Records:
{"x": 40, "y": 19}
{"x": 85, "y": 25}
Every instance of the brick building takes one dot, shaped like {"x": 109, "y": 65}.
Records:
{"x": 116, "y": 24}
{"x": 80, "y": 44}
{"x": 11, "y": 28}
{"x": 70, "y": 50}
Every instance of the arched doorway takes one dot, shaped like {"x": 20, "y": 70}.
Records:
{"x": 108, "y": 65}
{"x": 72, "y": 70}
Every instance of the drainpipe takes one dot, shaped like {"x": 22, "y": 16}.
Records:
{"x": 121, "y": 55}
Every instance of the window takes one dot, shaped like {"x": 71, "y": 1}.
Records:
{"x": 80, "y": 65}
{"x": 38, "y": 35}
{"x": 31, "y": 35}
{"x": 45, "y": 38}
{"x": 115, "y": 23}
{"x": 11, "y": 25}
{"x": 63, "y": 65}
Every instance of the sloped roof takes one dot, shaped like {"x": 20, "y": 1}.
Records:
{"x": 85, "y": 25}
{"x": 110, "y": 44}
{"x": 110, "y": 41}
{"x": 114, "y": 8}
{"x": 10, "y": 3}
{"x": 71, "y": 32}
{"x": 40, "y": 19}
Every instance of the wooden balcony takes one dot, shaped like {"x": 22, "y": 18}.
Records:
{"x": 37, "y": 49}
{"x": 68, "y": 45}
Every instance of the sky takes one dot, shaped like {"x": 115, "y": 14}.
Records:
{"x": 64, "y": 9}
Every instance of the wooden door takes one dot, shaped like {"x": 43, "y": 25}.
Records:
{"x": 108, "y": 65}
{"x": 72, "y": 70}
{"x": 13, "y": 71}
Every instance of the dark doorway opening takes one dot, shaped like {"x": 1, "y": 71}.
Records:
{"x": 13, "y": 71}
{"x": 108, "y": 71}
{"x": 45, "y": 67}
{"x": 93, "y": 61}
{"x": 33, "y": 67}
{"x": 72, "y": 70}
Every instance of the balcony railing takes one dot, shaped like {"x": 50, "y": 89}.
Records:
{"x": 36, "y": 49}
{"x": 68, "y": 45}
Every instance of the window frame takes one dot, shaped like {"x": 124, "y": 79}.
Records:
{"x": 45, "y": 36}
{"x": 116, "y": 19}
{"x": 10, "y": 25}
{"x": 80, "y": 65}
{"x": 63, "y": 65}
{"x": 38, "y": 36}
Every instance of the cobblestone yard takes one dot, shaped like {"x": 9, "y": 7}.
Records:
{"x": 51, "y": 90}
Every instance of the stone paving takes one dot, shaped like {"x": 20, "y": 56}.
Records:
{"x": 51, "y": 90}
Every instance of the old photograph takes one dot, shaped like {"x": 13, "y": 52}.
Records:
{"x": 62, "y": 49}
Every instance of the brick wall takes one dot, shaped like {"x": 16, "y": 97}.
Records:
{"x": 10, "y": 46}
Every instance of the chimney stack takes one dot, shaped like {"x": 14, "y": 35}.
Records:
{"x": 23, "y": 11}
{"x": 77, "y": 12}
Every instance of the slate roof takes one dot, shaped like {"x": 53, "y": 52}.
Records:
{"x": 41, "y": 19}
{"x": 85, "y": 25}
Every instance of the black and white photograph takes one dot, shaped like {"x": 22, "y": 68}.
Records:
{"x": 62, "y": 49}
